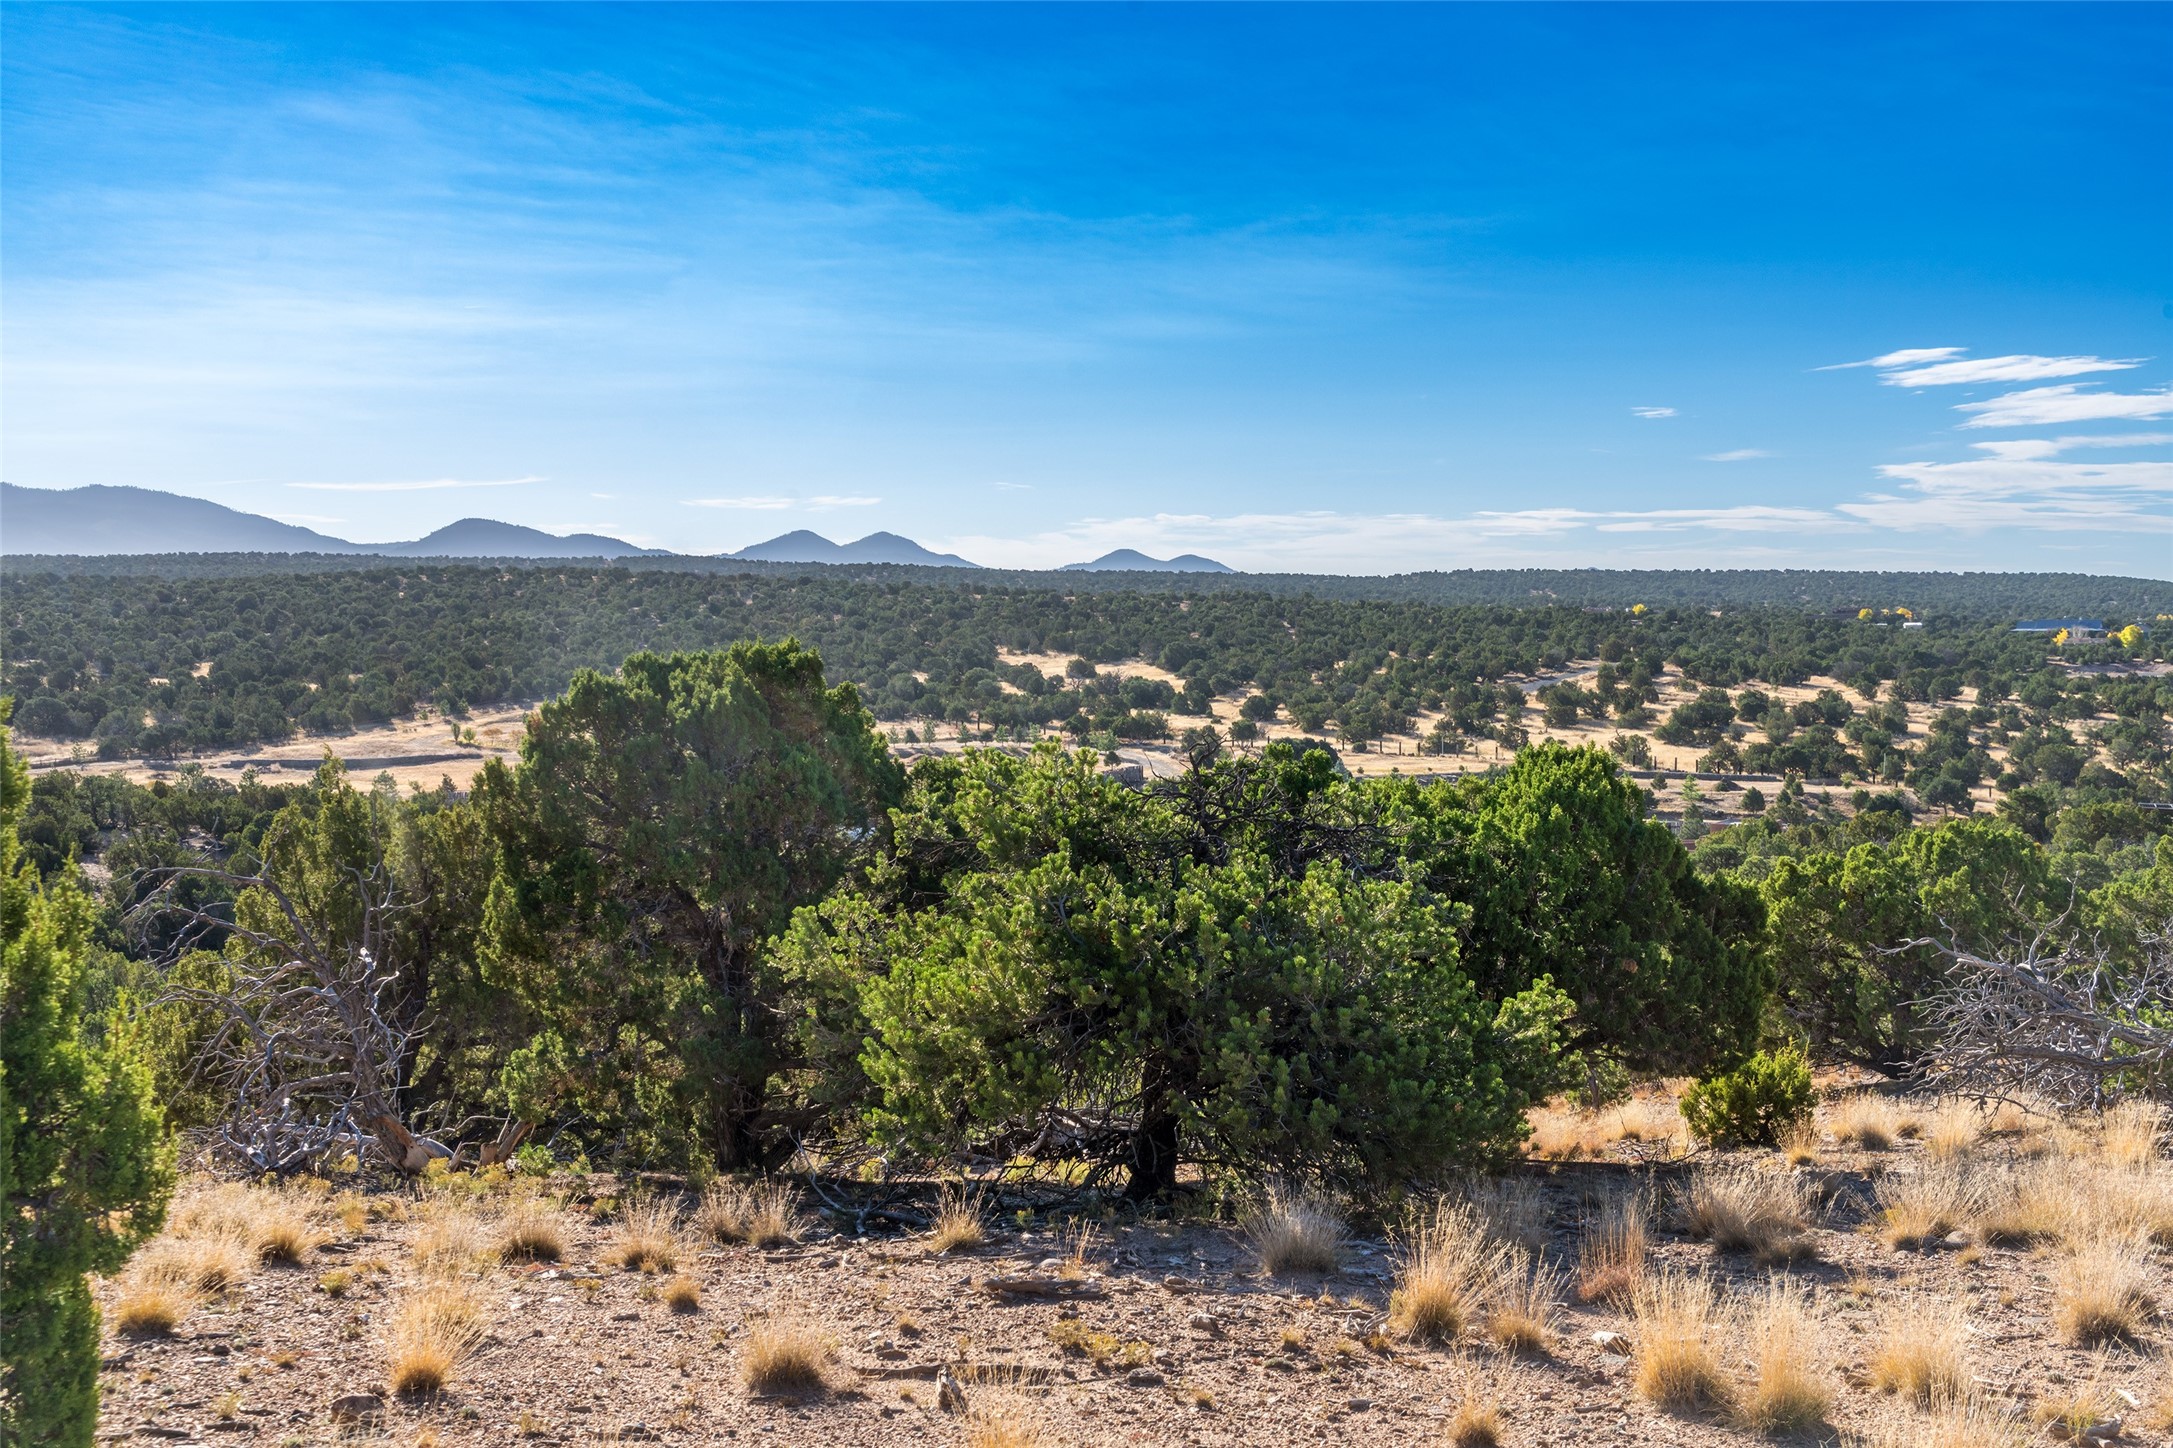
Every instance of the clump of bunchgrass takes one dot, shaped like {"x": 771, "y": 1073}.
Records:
{"x": 961, "y": 1222}
{"x": 1786, "y": 1390}
{"x": 1919, "y": 1208}
{"x": 434, "y": 1330}
{"x": 1745, "y": 1209}
{"x": 1611, "y": 1253}
{"x": 150, "y": 1308}
{"x": 646, "y": 1236}
{"x": 531, "y": 1229}
{"x": 1294, "y": 1229}
{"x": 1675, "y": 1316}
{"x": 2102, "y": 1292}
{"x": 761, "y": 1214}
{"x": 1447, "y": 1267}
{"x": 786, "y": 1358}
{"x": 1523, "y": 1303}
{"x": 1918, "y": 1355}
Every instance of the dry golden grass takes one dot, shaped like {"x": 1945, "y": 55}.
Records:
{"x": 2069, "y": 1411}
{"x": 646, "y": 1237}
{"x": 2102, "y": 1291}
{"x": 786, "y": 1358}
{"x": 353, "y": 1213}
{"x": 2032, "y": 1202}
{"x": 453, "y": 1241}
{"x": 434, "y": 1329}
{"x": 281, "y": 1229}
{"x": 761, "y": 1214}
{"x": 1867, "y": 1121}
{"x": 1918, "y": 1208}
{"x": 1800, "y": 1144}
{"x": 1674, "y": 1317}
{"x": 1952, "y": 1129}
{"x": 150, "y": 1308}
{"x": 1611, "y": 1253}
{"x": 196, "y": 1264}
{"x": 1787, "y": 1389}
{"x": 2132, "y": 1133}
{"x": 683, "y": 1294}
{"x": 531, "y": 1229}
{"x": 1512, "y": 1210}
{"x": 961, "y": 1220}
{"x": 1745, "y": 1209}
{"x": 1074, "y": 1241}
{"x": 1523, "y": 1303}
{"x": 1962, "y": 1423}
{"x": 1294, "y": 1229}
{"x": 1001, "y": 1428}
{"x": 1442, "y": 1282}
{"x": 1919, "y": 1351}
{"x": 1476, "y": 1423}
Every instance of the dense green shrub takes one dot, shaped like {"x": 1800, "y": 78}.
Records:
{"x": 84, "y": 1172}
{"x": 1754, "y": 1104}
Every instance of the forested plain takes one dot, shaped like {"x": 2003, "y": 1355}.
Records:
{"x": 708, "y": 920}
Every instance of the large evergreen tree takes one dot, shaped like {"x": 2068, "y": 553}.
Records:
{"x": 84, "y": 1170}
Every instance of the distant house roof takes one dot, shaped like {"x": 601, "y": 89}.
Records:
{"x": 2054, "y": 625}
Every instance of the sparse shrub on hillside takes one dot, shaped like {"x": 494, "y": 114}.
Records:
{"x": 1754, "y": 1104}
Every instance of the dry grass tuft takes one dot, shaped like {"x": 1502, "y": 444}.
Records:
{"x": 2072, "y": 1410}
{"x": 150, "y": 1308}
{"x": 1448, "y": 1265}
{"x": 1294, "y": 1229}
{"x": 1674, "y": 1317}
{"x": 1611, "y": 1253}
{"x": 1917, "y": 1209}
{"x": 454, "y": 1242}
{"x": 2131, "y": 1133}
{"x": 531, "y": 1230}
{"x": 961, "y": 1220}
{"x": 1787, "y": 1390}
{"x": 647, "y": 1237}
{"x": 1800, "y": 1144}
{"x": 434, "y": 1329}
{"x": 761, "y": 1214}
{"x": 1476, "y": 1423}
{"x": 196, "y": 1264}
{"x": 1962, "y": 1423}
{"x": 280, "y": 1229}
{"x": 1523, "y": 1304}
{"x": 2033, "y": 1203}
{"x": 1953, "y": 1129}
{"x": 1744, "y": 1209}
{"x": 1867, "y": 1121}
{"x": 786, "y": 1358}
{"x": 1919, "y": 1354}
{"x": 997, "y": 1428}
{"x": 683, "y": 1294}
{"x": 2102, "y": 1292}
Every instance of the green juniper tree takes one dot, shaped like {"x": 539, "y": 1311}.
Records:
{"x": 84, "y": 1168}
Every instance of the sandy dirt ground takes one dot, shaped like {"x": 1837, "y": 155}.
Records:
{"x": 1172, "y": 1333}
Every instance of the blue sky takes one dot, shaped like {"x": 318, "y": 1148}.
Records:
{"x": 1347, "y": 289}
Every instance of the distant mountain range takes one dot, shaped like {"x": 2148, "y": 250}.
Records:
{"x": 99, "y": 520}
{"x": 1131, "y": 560}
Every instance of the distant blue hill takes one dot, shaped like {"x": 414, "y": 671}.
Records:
{"x": 801, "y": 546}
{"x": 1131, "y": 560}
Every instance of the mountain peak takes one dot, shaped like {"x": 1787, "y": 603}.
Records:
{"x": 1131, "y": 560}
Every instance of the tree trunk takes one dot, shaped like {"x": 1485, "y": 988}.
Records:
{"x": 1152, "y": 1160}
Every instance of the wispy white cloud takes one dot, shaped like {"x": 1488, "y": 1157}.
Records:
{"x": 2068, "y": 402}
{"x": 2024, "y": 449}
{"x": 1654, "y": 411}
{"x": 1736, "y": 455}
{"x": 2021, "y": 367}
{"x": 1907, "y": 357}
{"x": 1014, "y": 487}
{"x": 424, "y": 486}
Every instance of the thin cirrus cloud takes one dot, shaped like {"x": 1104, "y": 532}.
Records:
{"x": 1947, "y": 367}
{"x": 2068, "y": 402}
{"x": 1736, "y": 455}
{"x": 1653, "y": 412}
{"x": 421, "y": 486}
{"x": 820, "y": 503}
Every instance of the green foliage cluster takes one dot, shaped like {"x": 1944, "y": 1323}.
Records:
{"x": 92, "y": 657}
{"x": 84, "y": 1168}
{"x": 1753, "y": 1104}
